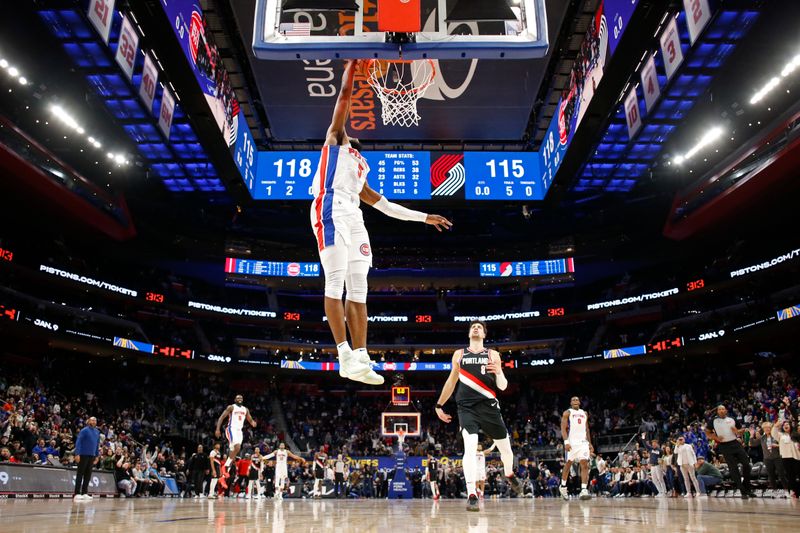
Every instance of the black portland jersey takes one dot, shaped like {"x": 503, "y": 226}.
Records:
{"x": 475, "y": 383}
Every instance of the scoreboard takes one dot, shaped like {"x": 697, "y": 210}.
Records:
{"x": 407, "y": 175}
{"x": 548, "y": 267}
{"x": 256, "y": 267}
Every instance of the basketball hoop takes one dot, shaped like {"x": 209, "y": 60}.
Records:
{"x": 401, "y": 437}
{"x": 399, "y": 85}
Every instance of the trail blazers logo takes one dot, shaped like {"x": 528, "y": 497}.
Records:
{"x": 447, "y": 175}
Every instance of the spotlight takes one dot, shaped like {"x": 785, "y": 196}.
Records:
{"x": 3, "y": 63}
{"x": 13, "y": 72}
{"x": 23, "y": 80}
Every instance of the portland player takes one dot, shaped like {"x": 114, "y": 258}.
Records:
{"x": 478, "y": 372}
{"x": 236, "y": 415}
{"x": 320, "y": 459}
{"x": 340, "y": 184}
{"x": 281, "y": 456}
{"x": 255, "y": 474}
{"x": 577, "y": 445}
{"x": 214, "y": 459}
{"x": 432, "y": 475}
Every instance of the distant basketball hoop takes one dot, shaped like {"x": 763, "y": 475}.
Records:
{"x": 399, "y": 85}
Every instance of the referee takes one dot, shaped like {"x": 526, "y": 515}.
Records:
{"x": 86, "y": 451}
{"x": 727, "y": 439}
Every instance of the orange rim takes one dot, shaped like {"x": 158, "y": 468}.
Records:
{"x": 422, "y": 87}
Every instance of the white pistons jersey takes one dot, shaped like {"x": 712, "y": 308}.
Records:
{"x": 577, "y": 426}
{"x": 281, "y": 458}
{"x": 238, "y": 416}
{"x": 340, "y": 176}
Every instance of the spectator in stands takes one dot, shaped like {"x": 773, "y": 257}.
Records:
{"x": 124, "y": 477}
{"x": 770, "y": 451}
{"x": 783, "y": 431}
{"x": 686, "y": 463}
{"x": 87, "y": 450}
{"x": 5, "y": 456}
{"x": 708, "y": 475}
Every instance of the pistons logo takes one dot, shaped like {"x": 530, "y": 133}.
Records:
{"x": 365, "y": 249}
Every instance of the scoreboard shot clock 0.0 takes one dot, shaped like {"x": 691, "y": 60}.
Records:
{"x": 502, "y": 176}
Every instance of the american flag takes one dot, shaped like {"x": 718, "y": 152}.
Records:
{"x": 295, "y": 29}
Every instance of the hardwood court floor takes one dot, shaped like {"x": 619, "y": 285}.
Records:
{"x": 397, "y": 516}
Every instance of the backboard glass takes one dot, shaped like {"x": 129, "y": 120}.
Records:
{"x": 319, "y": 35}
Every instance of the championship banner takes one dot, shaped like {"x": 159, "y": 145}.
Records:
{"x": 650, "y": 86}
{"x": 30, "y": 479}
{"x": 698, "y": 14}
{"x": 671, "y": 48}
{"x": 167, "y": 110}
{"x": 127, "y": 48}
{"x": 632, "y": 115}
{"x": 101, "y": 15}
{"x": 147, "y": 90}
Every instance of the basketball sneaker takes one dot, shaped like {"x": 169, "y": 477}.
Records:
{"x": 472, "y": 503}
{"x": 585, "y": 495}
{"x": 564, "y": 494}
{"x": 358, "y": 368}
{"x": 515, "y": 484}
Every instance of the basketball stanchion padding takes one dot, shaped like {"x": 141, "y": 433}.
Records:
{"x": 400, "y": 16}
{"x": 399, "y": 85}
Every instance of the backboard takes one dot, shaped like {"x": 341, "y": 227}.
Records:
{"x": 392, "y": 422}
{"x": 316, "y": 35}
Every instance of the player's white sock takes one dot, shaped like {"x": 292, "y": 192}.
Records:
{"x": 212, "y": 490}
{"x": 506, "y": 455}
{"x": 470, "y": 461}
{"x": 563, "y": 482}
{"x": 583, "y": 486}
{"x": 316, "y": 487}
{"x": 250, "y": 488}
{"x": 227, "y": 464}
{"x": 343, "y": 347}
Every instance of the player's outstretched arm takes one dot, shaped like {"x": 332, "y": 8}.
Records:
{"x": 250, "y": 419}
{"x": 370, "y": 197}
{"x": 337, "y": 132}
{"x": 295, "y": 457}
{"x": 225, "y": 414}
{"x": 449, "y": 387}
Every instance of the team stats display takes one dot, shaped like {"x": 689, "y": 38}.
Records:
{"x": 256, "y": 267}
{"x": 407, "y": 175}
{"x": 547, "y": 267}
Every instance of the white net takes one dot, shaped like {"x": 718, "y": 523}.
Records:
{"x": 399, "y": 85}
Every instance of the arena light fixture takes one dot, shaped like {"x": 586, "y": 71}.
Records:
{"x": 787, "y": 70}
{"x": 3, "y": 63}
{"x": 708, "y": 137}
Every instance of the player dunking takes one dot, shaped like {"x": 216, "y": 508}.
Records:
{"x": 236, "y": 415}
{"x": 281, "y": 456}
{"x": 340, "y": 184}
{"x": 577, "y": 445}
{"x": 320, "y": 459}
{"x": 478, "y": 372}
